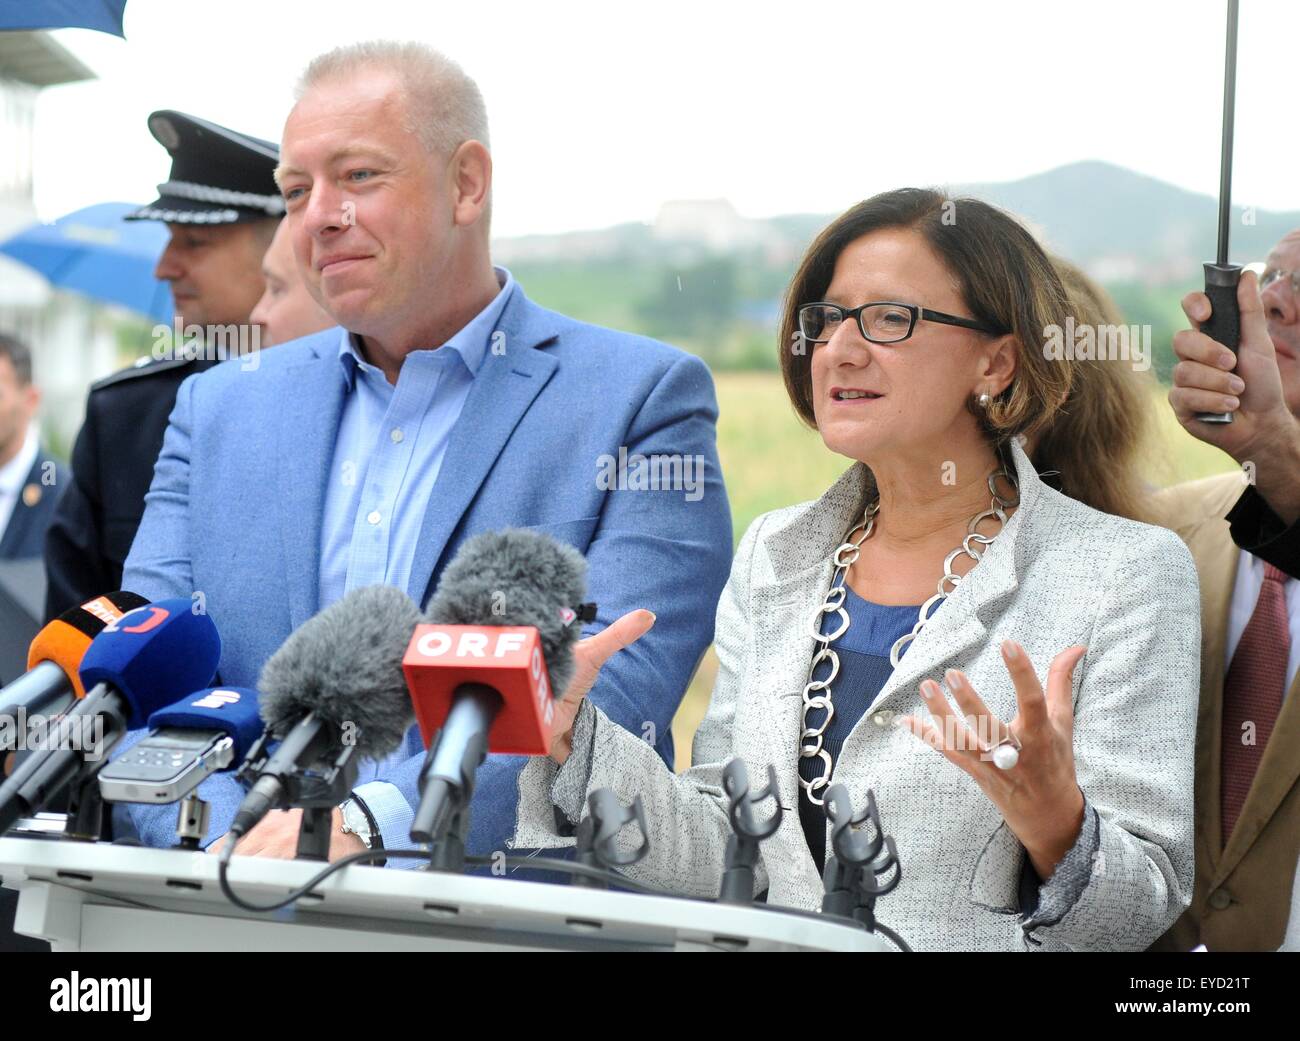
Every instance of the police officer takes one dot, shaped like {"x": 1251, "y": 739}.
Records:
{"x": 222, "y": 207}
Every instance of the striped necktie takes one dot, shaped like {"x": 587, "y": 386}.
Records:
{"x": 1252, "y": 694}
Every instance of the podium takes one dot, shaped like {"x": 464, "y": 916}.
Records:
{"x": 103, "y": 897}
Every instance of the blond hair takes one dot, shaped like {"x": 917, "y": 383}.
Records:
{"x": 444, "y": 105}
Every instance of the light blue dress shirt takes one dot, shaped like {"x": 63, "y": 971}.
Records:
{"x": 389, "y": 449}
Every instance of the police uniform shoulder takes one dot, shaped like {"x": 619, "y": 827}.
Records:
{"x": 143, "y": 367}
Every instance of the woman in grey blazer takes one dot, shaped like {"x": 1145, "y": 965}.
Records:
{"x": 889, "y": 636}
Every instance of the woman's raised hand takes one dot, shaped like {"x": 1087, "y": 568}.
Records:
{"x": 1038, "y": 796}
{"x": 588, "y": 657}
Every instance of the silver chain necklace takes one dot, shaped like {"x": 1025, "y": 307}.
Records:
{"x": 817, "y": 693}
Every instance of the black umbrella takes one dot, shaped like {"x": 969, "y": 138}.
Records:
{"x": 1221, "y": 277}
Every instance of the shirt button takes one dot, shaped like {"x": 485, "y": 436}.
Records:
{"x": 396, "y": 435}
{"x": 883, "y": 719}
{"x": 373, "y": 517}
{"x": 1220, "y": 899}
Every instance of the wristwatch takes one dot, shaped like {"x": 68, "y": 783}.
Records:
{"x": 359, "y": 821}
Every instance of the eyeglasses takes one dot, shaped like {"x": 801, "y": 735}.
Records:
{"x": 879, "y": 321}
{"x": 1273, "y": 274}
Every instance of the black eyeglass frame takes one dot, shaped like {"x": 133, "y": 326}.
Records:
{"x": 917, "y": 312}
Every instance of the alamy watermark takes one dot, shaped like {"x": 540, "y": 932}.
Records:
{"x": 73, "y": 993}
{"x": 209, "y": 342}
{"x": 20, "y": 732}
{"x": 956, "y": 733}
{"x": 1086, "y": 342}
{"x": 655, "y": 472}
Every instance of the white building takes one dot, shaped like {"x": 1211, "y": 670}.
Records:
{"x": 712, "y": 223}
{"x": 71, "y": 337}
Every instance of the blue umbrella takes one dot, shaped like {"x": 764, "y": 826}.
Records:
{"x": 95, "y": 252}
{"x": 104, "y": 15}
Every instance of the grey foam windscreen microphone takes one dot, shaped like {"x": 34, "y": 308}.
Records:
{"x": 517, "y": 577}
{"x": 345, "y": 665}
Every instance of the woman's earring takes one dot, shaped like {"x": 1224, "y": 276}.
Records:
{"x": 983, "y": 400}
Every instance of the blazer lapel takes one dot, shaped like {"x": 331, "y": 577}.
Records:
{"x": 1216, "y": 565}
{"x": 15, "y": 532}
{"x": 312, "y": 403}
{"x": 784, "y": 635}
{"x": 24, "y": 514}
{"x": 798, "y": 551}
{"x": 504, "y": 387}
{"x": 1208, "y": 538}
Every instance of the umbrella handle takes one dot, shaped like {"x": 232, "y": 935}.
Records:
{"x": 1224, "y": 325}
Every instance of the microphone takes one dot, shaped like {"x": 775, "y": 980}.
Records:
{"x": 199, "y": 735}
{"x": 139, "y": 662}
{"x": 187, "y": 742}
{"x": 486, "y": 669}
{"x": 331, "y": 695}
{"x": 54, "y": 658}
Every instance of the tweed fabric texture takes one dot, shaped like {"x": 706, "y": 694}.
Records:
{"x": 1059, "y": 574}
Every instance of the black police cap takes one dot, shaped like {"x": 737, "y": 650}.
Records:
{"x": 218, "y": 175}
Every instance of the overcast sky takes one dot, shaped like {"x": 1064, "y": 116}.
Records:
{"x": 600, "y": 112}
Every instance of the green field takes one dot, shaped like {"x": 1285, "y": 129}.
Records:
{"x": 769, "y": 459}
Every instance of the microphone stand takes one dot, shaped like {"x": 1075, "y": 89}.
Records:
{"x": 85, "y": 821}
{"x": 39, "y": 784}
{"x": 317, "y": 789}
{"x": 192, "y": 820}
{"x": 447, "y": 780}
{"x": 850, "y": 882}
{"x": 742, "y": 848}
{"x": 597, "y": 835}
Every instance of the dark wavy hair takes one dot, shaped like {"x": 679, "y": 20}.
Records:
{"x": 1003, "y": 275}
{"x": 1093, "y": 449}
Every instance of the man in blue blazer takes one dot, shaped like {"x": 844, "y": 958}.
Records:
{"x": 30, "y": 480}
{"x": 446, "y": 404}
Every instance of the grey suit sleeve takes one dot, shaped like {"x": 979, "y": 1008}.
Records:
{"x": 1134, "y": 739}
{"x": 573, "y": 779}
{"x": 686, "y": 813}
{"x": 1046, "y": 903}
